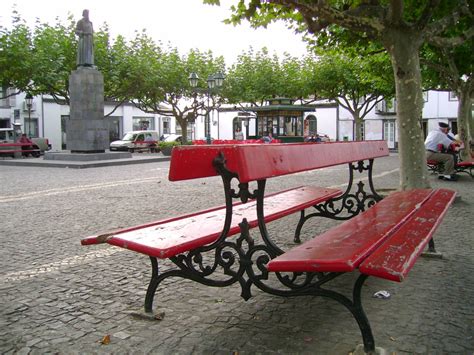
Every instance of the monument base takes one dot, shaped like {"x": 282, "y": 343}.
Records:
{"x": 88, "y": 151}
{"x": 66, "y": 156}
{"x": 86, "y": 129}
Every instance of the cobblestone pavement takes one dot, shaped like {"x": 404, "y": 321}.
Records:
{"x": 60, "y": 297}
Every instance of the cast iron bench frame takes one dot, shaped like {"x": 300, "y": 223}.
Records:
{"x": 460, "y": 167}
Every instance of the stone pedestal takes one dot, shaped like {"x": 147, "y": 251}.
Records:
{"x": 87, "y": 130}
{"x": 75, "y": 157}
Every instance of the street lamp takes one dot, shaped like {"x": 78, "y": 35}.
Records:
{"x": 29, "y": 105}
{"x": 213, "y": 81}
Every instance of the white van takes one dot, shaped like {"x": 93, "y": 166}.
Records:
{"x": 137, "y": 141}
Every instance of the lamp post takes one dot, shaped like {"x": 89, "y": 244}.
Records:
{"x": 214, "y": 81}
{"x": 29, "y": 105}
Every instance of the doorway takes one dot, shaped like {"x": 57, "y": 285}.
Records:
{"x": 389, "y": 133}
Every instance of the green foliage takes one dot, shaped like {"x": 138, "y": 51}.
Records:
{"x": 337, "y": 75}
{"x": 257, "y": 76}
{"x": 161, "y": 77}
{"x": 53, "y": 58}
{"x": 165, "y": 145}
{"x": 16, "y": 66}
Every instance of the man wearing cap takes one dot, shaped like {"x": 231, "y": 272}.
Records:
{"x": 435, "y": 138}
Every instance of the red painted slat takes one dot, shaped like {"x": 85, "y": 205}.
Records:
{"x": 397, "y": 255}
{"x": 345, "y": 246}
{"x": 260, "y": 161}
{"x": 168, "y": 238}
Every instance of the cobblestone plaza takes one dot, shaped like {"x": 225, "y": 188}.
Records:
{"x": 60, "y": 297}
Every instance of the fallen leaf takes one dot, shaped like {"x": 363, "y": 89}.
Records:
{"x": 392, "y": 339}
{"x": 308, "y": 339}
{"x": 160, "y": 316}
{"x": 105, "y": 340}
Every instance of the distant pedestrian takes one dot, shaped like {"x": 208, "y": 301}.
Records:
{"x": 239, "y": 135}
{"x": 267, "y": 138}
{"x": 26, "y": 144}
{"x": 434, "y": 139}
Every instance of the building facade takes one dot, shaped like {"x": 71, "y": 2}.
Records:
{"x": 45, "y": 118}
{"x": 328, "y": 118}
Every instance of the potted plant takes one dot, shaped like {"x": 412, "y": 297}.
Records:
{"x": 166, "y": 147}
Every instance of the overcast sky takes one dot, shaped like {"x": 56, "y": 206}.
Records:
{"x": 184, "y": 23}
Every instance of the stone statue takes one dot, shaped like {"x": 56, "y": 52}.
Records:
{"x": 85, "y": 45}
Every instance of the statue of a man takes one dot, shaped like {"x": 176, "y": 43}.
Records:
{"x": 85, "y": 45}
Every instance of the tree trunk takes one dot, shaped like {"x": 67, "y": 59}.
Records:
{"x": 184, "y": 128}
{"x": 465, "y": 120}
{"x": 358, "y": 126}
{"x": 403, "y": 47}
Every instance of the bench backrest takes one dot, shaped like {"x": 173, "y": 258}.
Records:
{"x": 261, "y": 161}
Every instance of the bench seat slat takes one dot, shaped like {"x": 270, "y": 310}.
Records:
{"x": 261, "y": 161}
{"x": 167, "y": 238}
{"x": 344, "y": 247}
{"x": 397, "y": 255}
{"x": 465, "y": 163}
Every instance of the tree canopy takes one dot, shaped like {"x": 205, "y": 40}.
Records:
{"x": 401, "y": 27}
{"x": 258, "y": 76}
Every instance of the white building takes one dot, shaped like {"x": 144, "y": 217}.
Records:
{"x": 336, "y": 122}
{"x": 47, "y": 119}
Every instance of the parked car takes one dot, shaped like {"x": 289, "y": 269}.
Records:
{"x": 136, "y": 141}
{"x": 172, "y": 138}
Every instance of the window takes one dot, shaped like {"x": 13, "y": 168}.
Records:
{"x": 291, "y": 126}
{"x": 143, "y": 123}
{"x": 4, "y": 123}
{"x": 454, "y": 127}
{"x": 31, "y": 127}
{"x": 64, "y": 119}
{"x": 115, "y": 129}
{"x": 362, "y": 131}
{"x": 166, "y": 127}
{"x": 311, "y": 125}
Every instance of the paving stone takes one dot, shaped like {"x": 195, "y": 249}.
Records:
{"x": 61, "y": 297}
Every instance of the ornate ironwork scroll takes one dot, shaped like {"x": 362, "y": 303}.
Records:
{"x": 243, "y": 260}
{"x": 350, "y": 203}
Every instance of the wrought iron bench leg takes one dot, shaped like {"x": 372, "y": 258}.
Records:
{"x": 150, "y": 292}
{"x": 297, "y": 238}
{"x": 155, "y": 280}
{"x": 360, "y": 316}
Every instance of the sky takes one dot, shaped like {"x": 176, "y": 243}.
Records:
{"x": 185, "y": 24}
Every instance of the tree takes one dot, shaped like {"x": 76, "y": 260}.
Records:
{"x": 40, "y": 61}
{"x": 356, "y": 83}
{"x": 452, "y": 69}
{"x": 162, "y": 81}
{"x": 16, "y": 65}
{"x": 401, "y": 27}
{"x": 53, "y": 54}
{"x": 257, "y": 77}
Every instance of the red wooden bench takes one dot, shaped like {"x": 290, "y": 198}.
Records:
{"x": 384, "y": 241}
{"x": 169, "y": 237}
{"x": 459, "y": 167}
{"x": 201, "y": 246}
{"x": 11, "y": 148}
